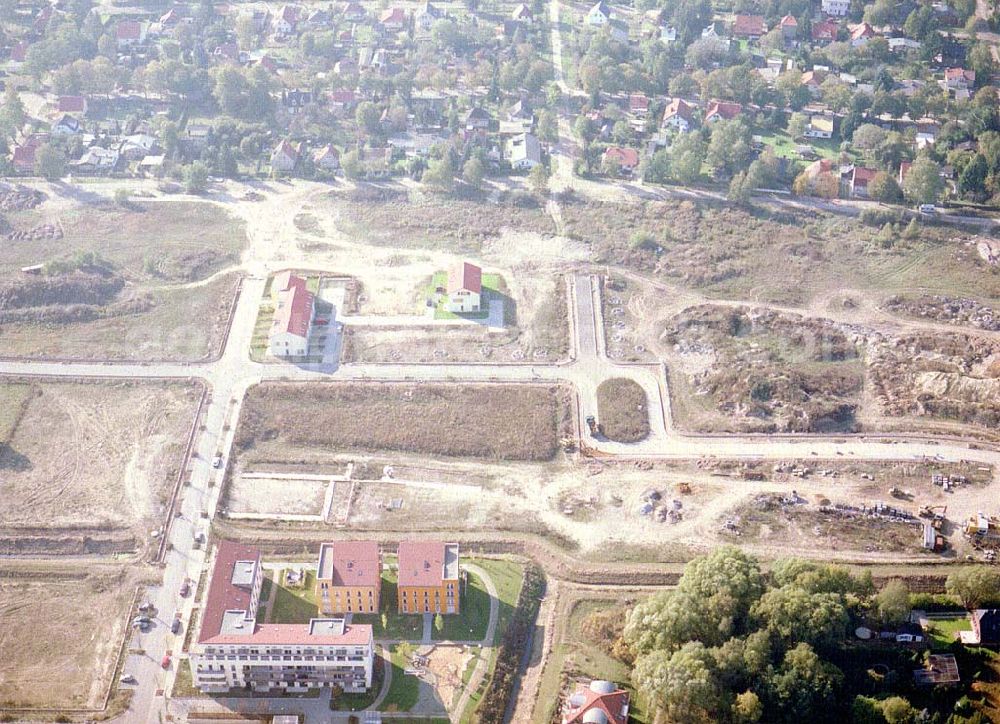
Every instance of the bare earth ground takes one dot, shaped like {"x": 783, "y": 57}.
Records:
{"x": 94, "y": 455}
{"x": 166, "y": 259}
{"x": 502, "y": 422}
{"x": 288, "y": 496}
{"x": 70, "y": 665}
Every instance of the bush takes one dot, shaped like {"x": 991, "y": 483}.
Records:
{"x": 881, "y": 217}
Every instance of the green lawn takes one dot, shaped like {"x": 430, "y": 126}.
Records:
{"x": 493, "y": 285}
{"x": 473, "y": 619}
{"x": 398, "y": 626}
{"x": 294, "y": 605}
{"x": 357, "y": 702}
{"x": 942, "y": 631}
{"x": 784, "y": 146}
{"x": 404, "y": 691}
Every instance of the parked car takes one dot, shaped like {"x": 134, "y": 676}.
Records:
{"x": 126, "y": 679}
{"x": 185, "y": 588}
{"x": 175, "y": 626}
{"x": 217, "y": 461}
{"x": 927, "y": 209}
{"x": 165, "y": 662}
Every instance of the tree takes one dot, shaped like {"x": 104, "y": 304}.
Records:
{"x": 972, "y": 180}
{"x": 438, "y": 622}
{"x": 683, "y": 683}
{"x": 351, "y": 163}
{"x": 548, "y": 127}
{"x": 973, "y": 585}
{"x": 793, "y": 615}
{"x": 804, "y": 687}
{"x": 12, "y": 113}
{"x": 797, "y": 125}
{"x": 686, "y": 157}
{"x": 868, "y": 137}
{"x": 538, "y": 178}
{"x": 196, "y": 178}
{"x": 729, "y": 146}
{"x": 50, "y": 162}
{"x": 898, "y": 710}
{"x": 747, "y": 709}
{"x": 367, "y": 117}
{"x": 923, "y": 184}
{"x": 440, "y": 174}
{"x": 893, "y": 602}
{"x": 739, "y": 189}
{"x": 473, "y": 172}
{"x": 656, "y": 168}
{"x": 883, "y": 187}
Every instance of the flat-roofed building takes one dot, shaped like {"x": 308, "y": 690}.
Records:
{"x": 428, "y": 577}
{"x": 234, "y": 651}
{"x": 349, "y": 577}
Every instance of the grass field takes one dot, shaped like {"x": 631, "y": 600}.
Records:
{"x": 13, "y": 399}
{"x": 404, "y": 690}
{"x": 486, "y": 421}
{"x": 397, "y": 626}
{"x": 93, "y": 455}
{"x": 493, "y": 288}
{"x": 623, "y": 410}
{"x": 80, "y": 643}
{"x": 943, "y": 632}
{"x": 293, "y": 604}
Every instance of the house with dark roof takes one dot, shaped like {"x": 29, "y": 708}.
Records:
{"x": 986, "y": 626}
{"x": 428, "y": 580}
{"x": 349, "y": 577}
{"x": 234, "y": 651}
{"x": 600, "y": 702}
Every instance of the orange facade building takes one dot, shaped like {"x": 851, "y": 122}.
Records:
{"x": 428, "y": 577}
{"x": 349, "y": 577}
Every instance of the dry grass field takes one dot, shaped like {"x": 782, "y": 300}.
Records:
{"x": 623, "y": 410}
{"x": 117, "y": 283}
{"x": 785, "y": 256}
{"x": 497, "y": 422}
{"x": 70, "y": 663}
{"x": 93, "y": 455}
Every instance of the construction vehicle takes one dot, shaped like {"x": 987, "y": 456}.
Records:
{"x": 900, "y": 493}
{"x": 592, "y": 452}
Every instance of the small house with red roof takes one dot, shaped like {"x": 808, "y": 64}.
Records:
{"x": 293, "y": 317}
{"x": 129, "y": 33}
{"x": 286, "y": 20}
{"x": 284, "y": 157}
{"x": 825, "y": 31}
{"x": 959, "y": 78}
{"x": 600, "y": 702}
{"x": 74, "y": 105}
{"x": 638, "y": 105}
{"x": 749, "y": 26}
{"x": 722, "y": 111}
{"x": 349, "y": 577}
{"x": 858, "y": 180}
{"x": 428, "y": 580}
{"x": 393, "y": 19}
{"x": 626, "y": 160}
{"x": 679, "y": 115}
{"x": 861, "y": 33}
{"x": 789, "y": 28}
{"x": 465, "y": 288}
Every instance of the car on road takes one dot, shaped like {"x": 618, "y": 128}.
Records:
{"x": 126, "y": 679}
{"x": 175, "y": 626}
{"x": 927, "y": 209}
{"x": 217, "y": 461}
{"x": 165, "y": 661}
{"x": 185, "y": 588}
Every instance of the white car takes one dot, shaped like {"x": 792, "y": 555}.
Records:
{"x": 217, "y": 462}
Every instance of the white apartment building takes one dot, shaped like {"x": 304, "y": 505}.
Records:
{"x": 234, "y": 651}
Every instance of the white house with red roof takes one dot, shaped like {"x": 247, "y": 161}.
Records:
{"x": 722, "y": 110}
{"x": 678, "y": 114}
{"x": 234, "y": 651}
{"x": 129, "y": 33}
{"x": 625, "y": 159}
{"x": 293, "y": 316}
{"x": 284, "y": 157}
{"x": 465, "y": 288}
{"x": 286, "y": 20}
{"x": 600, "y": 702}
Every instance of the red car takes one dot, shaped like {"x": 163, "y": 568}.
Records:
{"x": 165, "y": 663}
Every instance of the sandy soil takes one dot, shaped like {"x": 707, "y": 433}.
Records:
{"x": 261, "y": 495}
{"x": 83, "y": 621}
{"x": 95, "y": 455}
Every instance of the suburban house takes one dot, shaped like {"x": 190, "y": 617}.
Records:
{"x": 638, "y": 105}
{"x": 679, "y": 114}
{"x": 836, "y": 8}
{"x": 858, "y": 180}
{"x": 349, "y": 577}
{"x": 722, "y": 110}
{"x": 522, "y": 14}
{"x": 428, "y": 15}
{"x": 861, "y": 33}
{"x": 284, "y": 157}
{"x": 67, "y": 126}
{"x": 599, "y": 15}
{"x": 327, "y": 157}
{"x": 625, "y": 159}
{"x": 293, "y": 316}
{"x": 825, "y": 31}
{"x": 465, "y": 288}
{"x": 286, "y": 20}
{"x": 789, "y": 29}
{"x": 477, "y": 119}
{"x": 524, "y": 152}
{"x": 600, "y": 701}
{"x": 428, "y": 577}
{"x": 819, "y": 127}
{"x": 959, "y": 79}
{"x": 393, "y": 19}
{"x": 985, "y": 627}
{"x": 76, "y": 105}
{"x": 129, "y": 33}
{"x": 234, "y": 651}
{"x": 749, "y": 26}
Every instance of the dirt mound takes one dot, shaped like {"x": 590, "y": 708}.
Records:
{"x": 950, "y": 310}
{"x": 42, "y": 231}
{"x": 19, "y": 198}
{"x": 76, "y": 288}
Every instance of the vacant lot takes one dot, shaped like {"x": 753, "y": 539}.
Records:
{"x": 117, "y": 283}
{"x": 782, "y": 256}
{"x": 82, "y": 621}
{"x": 93, "y": 456}
{"x": 500, "y": 422}
{"x": 761, "y": 371}
{"x": 623, "y": 410}
{"x": 395, "y": 218}
{"x": 278, "y": 495}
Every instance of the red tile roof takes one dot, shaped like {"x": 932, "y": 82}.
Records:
{"x": 285, "y": 280}
{"x": 421, "y": 563}
{"x": 789, "y": 22}
{"x": 393, "y": 16}
{"x": 295, "y": 313}
{"x": 723, "y": 109}
{"x": 861, "y": 176}
{"x": 611, "y": 704}
{"x": 296, "y": 634}
{"x": 465, "y": 276}
{"x": 825, "y": 30}
{"x": 862, "y": 31}
{"x": 752, "y": 25}
{"x": 222, "y": 594}
{"x": 72, "y": 104}
{"x": 350, "y": 563}
{"x": 638, "y": 102}
{"x": 24, "y": 157}
{"x": 128, "y": 30}
{"x": 678, "y": 107}
{"x": 625, "y": 157}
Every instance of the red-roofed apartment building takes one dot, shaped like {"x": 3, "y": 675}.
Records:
{"x": 349, "y": 577}
{"x": 234, "y": 651}
{"x": 465, "y": 288}
{"x": 601, "y": 703}
{"x": 293, "y": 316}
{"x": 428, "y": 577}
